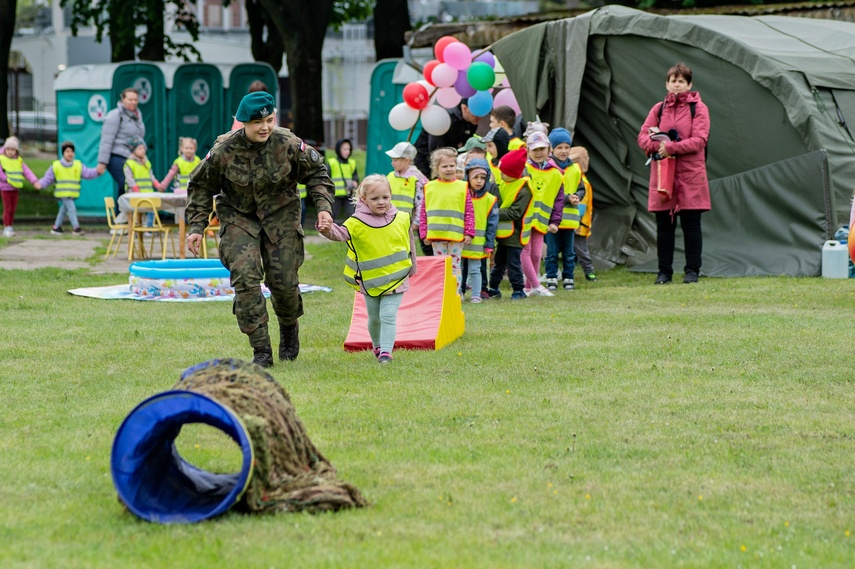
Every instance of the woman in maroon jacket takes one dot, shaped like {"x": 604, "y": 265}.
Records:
{"x": 686, "y": 119}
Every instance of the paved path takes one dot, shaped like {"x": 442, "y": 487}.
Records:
{"x": 36, "y": 249}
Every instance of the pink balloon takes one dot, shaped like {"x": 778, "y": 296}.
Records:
{"x": 506, "y": 98}
{"x": 443, "y": 75}
{"x": 448, "y": 97}
{"x": 458, "y": 55}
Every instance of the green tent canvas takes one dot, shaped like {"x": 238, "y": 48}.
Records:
{"x": 781, "y": 95}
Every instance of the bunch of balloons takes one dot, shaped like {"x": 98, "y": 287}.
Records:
{"x": 455, "y": 73}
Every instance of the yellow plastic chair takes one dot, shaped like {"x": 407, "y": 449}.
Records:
{"x": 213, "y": 226}
{"x": 143, "y": 206}
{"x": 117, "y": 230}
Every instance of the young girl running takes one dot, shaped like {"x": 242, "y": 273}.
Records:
{"x": 183, "y": 165}
{"x": 381, "y": 255}
{"x": 447, "y": 217}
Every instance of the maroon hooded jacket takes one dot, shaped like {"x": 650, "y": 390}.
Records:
{"x": 691, "y": 187}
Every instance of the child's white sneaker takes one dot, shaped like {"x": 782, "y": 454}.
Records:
{"x": 540, "y": 291}
{"x": 475, "y": 299}
{"x": 8, "y": 231}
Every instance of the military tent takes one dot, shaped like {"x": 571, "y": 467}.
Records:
{"x": 781, "y": 95}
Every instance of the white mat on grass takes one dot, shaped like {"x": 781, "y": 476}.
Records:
{"x": 123, "y": 291}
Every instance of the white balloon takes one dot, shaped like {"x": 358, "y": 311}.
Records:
{"x": 403, "y": 117}
{"x": 448, "y": 97}
{"x": 435, "y": 120}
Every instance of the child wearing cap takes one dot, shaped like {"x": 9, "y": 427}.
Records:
{"x": 406, "y": 180}
{"x": 138, "y": 174}
{"x": 504, "y": 118}
{"x": 13, "y": 171}
{"x": 514, "y": 227}
{"x": 485, "y": 206}
{"x": 447, "y": 218}
{"x": 562, "y": 243}
{"x": 66, "y": 173}
{"x": 547, "y": 185}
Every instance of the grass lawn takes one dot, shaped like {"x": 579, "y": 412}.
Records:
{"x": 620, "y": 425}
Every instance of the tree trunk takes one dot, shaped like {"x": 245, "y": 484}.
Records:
{"x": 269, "y": 49}
{"x": 8, "y": 10}
{"x": 152, "y": 48}
{"x": 302, "y": 25}
{"x": 122, "y": 28}
{"x": 391, "y": 21}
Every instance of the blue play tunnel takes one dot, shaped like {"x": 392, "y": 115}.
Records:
{"x": 154, "y": 481}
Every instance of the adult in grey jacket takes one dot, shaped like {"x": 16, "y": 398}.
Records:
{"x": 119, "y": 126}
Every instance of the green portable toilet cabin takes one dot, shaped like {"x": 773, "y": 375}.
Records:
{"x": 84, "y": 96}
{"x": 236, "y": 81}
{"x": 195, "y": 108}
{"x": 152, "y": 81}
{"x": 388, "y": 79}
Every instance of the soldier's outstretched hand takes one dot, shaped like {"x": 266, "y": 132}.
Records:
{"x": 194, "y": 243}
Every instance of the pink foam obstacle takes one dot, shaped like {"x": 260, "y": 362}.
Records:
{"x": 430, "y": 316}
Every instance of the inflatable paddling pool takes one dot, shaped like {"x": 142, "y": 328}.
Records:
{"x": 180, "y": 278}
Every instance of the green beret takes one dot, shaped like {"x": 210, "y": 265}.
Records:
{"x": 256, "y": 105}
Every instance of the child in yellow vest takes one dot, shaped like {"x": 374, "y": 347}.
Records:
{"x": 547, "y": 183}
{"x": 12, "y": 174}
{"x": 342, "y": 168}
{"x": 66, "y": 173}
{"x": 446, "y": 218}
{"x": 514, "y": 228}
{"x": 407, "y": 181}
{"x": 378, "y": 238}
{"x": 562, "y": 243}
{"x": 579, "y": 155}
{"x": 182, "y": 166}
{"x": 138, "y": 174}
{"x": 485, "y": 206}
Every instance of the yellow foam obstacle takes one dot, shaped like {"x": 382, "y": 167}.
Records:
{"x": 431, "y": 314}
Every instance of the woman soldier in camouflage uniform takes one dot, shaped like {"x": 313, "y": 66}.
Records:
{"x": 253, "y": 172}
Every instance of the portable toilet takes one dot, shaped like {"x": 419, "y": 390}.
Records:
{"x": 195, "y": 107}
{"x": 236, "y": 81}
{"x": 150, "y": 81}
{"x": 388, "y": 79}
{"x": 84, "y": 96}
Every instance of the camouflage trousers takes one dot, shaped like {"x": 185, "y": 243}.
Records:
{"x": 253, "y": 259}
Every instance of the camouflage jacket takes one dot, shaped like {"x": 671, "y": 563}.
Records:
{"x": 256, "y": 184}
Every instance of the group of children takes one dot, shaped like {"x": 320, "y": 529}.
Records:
{"x": 66, "y": 173}
{"x": 486, "y": 201}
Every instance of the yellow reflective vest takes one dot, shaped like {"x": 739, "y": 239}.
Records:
{"x": 403, "y": 192}
{"x": 341, "y": 174}
{"x": 482, "y": 207}
{"x": 378, "y": 258}
{"x": 14, "y": 169}
{"x": 185, "y": 168}
{"x": 67, "y": 179}
{"x": 545, "y": 185}
{"x": 570, "y": 215}
{"x": 509, "y": 192}
{"x": 302, "y": 189}
{"x": 445, "y": 209}
{"x": 584, "y": 229}
{"x": 141, "y": 174}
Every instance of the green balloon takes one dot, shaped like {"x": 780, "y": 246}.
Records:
{"x": 480, "y": 76}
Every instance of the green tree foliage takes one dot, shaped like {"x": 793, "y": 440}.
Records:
{"x": 121, "y": 19}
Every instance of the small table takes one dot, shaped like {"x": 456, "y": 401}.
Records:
{"x": 175, "y": 203}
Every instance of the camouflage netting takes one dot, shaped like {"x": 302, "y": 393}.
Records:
{"x": 290, "y": 473}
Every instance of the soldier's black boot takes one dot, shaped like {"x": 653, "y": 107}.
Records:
{"x": 289, "y": 341}
{"x": 263, "y": 356}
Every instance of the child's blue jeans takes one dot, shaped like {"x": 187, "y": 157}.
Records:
{"x": 560, "y": 243}
{"x": 67, "y": 207}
